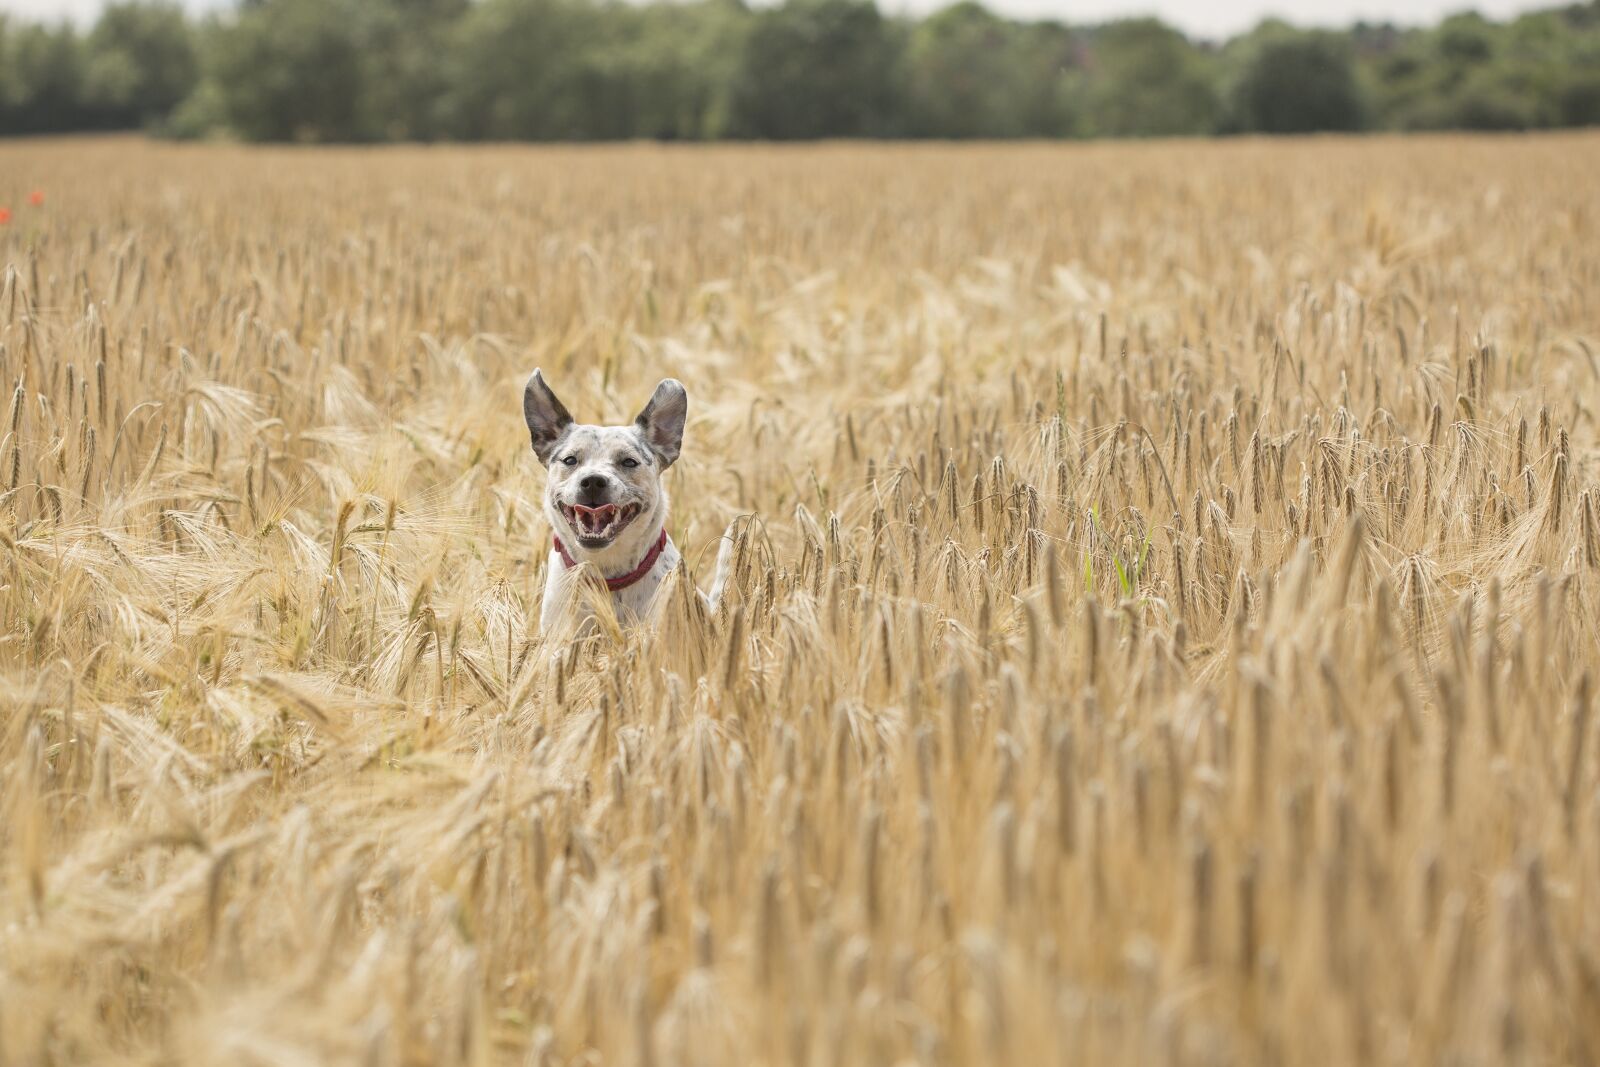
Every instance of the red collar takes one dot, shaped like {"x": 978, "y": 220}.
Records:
{"x": 622, "y": 582}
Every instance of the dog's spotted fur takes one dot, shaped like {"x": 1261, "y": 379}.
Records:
{"x": 604, "y": 496}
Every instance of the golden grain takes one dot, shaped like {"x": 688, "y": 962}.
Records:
{"x": 1161, "y": 632}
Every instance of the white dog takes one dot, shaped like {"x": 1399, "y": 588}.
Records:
{"x": 605, "y": 500}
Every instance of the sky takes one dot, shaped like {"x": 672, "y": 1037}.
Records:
{"x": 1202, "y": 18}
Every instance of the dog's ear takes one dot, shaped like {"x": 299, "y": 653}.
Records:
{"x": 661, "y": 421}
{"x": 547, "y": 417}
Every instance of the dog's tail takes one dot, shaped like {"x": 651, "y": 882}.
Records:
{"x": 725, "y": 554}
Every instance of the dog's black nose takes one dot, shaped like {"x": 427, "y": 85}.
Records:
{"x": 592, "y": 485}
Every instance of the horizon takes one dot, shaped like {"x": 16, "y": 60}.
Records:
{"x": 1210, "y": 21}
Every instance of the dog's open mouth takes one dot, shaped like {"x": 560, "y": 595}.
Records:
{"x": 601, "y": 525}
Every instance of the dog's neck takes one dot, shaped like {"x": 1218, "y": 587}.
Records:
{"x": 622, "y": 556}
{"x": 634, "y": 576}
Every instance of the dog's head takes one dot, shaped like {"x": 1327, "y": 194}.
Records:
{"x": 605, "y": 488}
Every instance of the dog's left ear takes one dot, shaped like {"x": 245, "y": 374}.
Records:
{"x": 661, "y": 421}
{"x": 546, "y": 416}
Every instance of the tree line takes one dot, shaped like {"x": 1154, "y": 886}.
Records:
{"x": 464, "y": 70}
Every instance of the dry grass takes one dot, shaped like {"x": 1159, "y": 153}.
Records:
{"x": 1167, "y": 633}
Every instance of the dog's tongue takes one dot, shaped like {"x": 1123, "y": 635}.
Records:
{"x": 595, "y": 519}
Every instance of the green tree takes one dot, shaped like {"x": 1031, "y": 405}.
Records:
{"x": 817, "y": 68}
{"x": 678, "y": 62}
{"x": 1297, "y": 83}
{"x": 1580, "y": 100}
{"x": 402, "y": 79}
{"x": 958, "y": 75}
{"x": 970, "y": 73}
{"x": 140, "y": 63}
{"x": 1468, "y": 73}
{"x": 357, "y": 70}
{"x": 1465, "y": 40}
{"x": 41, "y": 80}
{"x": 527, "y": 70}
{"x": 1048, "y": 60}
{"x": 291, "y": 70}
{"x": 1147, "y": 80}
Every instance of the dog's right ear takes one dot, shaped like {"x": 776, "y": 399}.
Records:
{"x": 661, "y": 421}
{"x": 546, "y": 416}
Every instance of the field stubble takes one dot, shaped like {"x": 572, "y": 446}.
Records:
{"x": 1166, "y": 633}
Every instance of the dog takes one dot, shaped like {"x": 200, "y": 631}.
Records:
{"x": 606, "y": 503}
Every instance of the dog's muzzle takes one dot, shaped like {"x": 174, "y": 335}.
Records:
{"x": 599, "y": 525}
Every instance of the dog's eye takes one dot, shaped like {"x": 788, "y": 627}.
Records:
{"x": 629, "y": 461}
{"x": 571, "y": 461}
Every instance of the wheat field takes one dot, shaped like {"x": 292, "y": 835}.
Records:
{"x": 1165, "y": 619}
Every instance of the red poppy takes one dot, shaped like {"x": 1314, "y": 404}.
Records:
{"x": 36, "y": 198}
{"x": 5, "y": 215}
